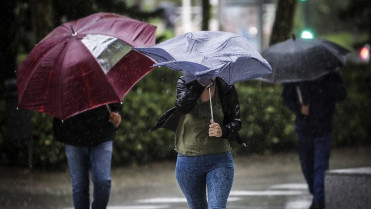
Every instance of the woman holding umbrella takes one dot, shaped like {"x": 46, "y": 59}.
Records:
{"x": 204, "y": 159}
{"x": 211, "y": 62}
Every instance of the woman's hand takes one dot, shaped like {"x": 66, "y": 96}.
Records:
{"x": 305, "y": 109}
{"x": 215, "y": 129}
{"x": 115, "y": 119}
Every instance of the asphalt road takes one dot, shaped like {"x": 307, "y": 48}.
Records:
{"x": 261, "y": 182}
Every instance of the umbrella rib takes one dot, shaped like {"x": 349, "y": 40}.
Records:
{"x": 61, "y": 80}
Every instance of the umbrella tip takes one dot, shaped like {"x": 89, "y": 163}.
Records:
{"x": 73, "y": 31}
{"x": 293, "y": 36}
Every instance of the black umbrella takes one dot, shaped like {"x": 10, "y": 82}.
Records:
{"x": 296, "y": 60}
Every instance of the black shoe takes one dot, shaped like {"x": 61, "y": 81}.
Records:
{"x": 317, "y": 206}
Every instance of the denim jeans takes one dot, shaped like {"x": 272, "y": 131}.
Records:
{"x": 196, "y": 173}
{"x": 314, "y": 155}
{"x": 80, "y": 159}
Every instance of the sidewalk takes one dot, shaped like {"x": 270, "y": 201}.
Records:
{"x": 261, "y": 182}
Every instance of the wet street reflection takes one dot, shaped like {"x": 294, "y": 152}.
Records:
{"x": 261, "y": 182}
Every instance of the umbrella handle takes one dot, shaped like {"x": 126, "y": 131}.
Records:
{"x": 211, "y": 106}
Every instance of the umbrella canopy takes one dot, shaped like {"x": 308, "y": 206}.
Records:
{"x": 209, "y": 54}
{"x": 84, "y": 64}
{"x": 296, "y": 60}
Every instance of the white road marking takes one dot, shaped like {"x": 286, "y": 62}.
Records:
{"x": 289, "y": 186}
{"x": 267, "y": 193}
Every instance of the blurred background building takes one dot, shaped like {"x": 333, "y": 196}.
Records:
{"x": 251, "y": 18}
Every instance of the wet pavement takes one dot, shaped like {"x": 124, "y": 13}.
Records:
{"x": 261, "y": 182}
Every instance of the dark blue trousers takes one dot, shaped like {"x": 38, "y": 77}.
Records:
{"x": 80, "y": 159}
{"x": 314, "y": 155}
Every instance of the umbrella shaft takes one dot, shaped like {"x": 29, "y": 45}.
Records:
{"x": 211, "y": 106}
{"x": 108, "y": 108}
{"x": 300, "y": 97}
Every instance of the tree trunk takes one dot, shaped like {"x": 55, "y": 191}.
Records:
{"x": 205, "y": 14}
{"x": 8, "y": 49}
{"x": 42, "y": 19}
{"x": 283, "y": 22}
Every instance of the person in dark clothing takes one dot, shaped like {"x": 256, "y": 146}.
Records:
{"x": 88, "y": 137}
{"x": 313, "y": 102}
{"x": 204, "y": 154}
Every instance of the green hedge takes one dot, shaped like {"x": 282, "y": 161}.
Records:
{"x": 267, "y": 125}
{"x": 352, "y": 119}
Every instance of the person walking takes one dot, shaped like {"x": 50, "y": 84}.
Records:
{"x": 204, "y": 160}
{"x": 88, "y": 139}
{"x": 313, "y": 102}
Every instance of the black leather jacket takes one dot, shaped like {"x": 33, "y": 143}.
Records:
{"x": 187, "y": 96}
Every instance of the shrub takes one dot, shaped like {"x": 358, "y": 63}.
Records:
{"x": 267, "y": 125}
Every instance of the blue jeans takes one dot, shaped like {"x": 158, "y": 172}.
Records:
{"x": 314, "y": 155}
{"x": 80, "y": 159}
{"x": 196, "y": 173}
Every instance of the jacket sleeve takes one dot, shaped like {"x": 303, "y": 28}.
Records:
{"x": 115, "y": 107}
{"x": 187, "y": 95}
{"x": 290, "y": 98}
{"x": 232, "y": 121}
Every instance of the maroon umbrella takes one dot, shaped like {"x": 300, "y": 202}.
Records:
{"x": 84, "y": 64}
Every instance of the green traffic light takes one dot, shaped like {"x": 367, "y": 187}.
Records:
{"x": 307, "y": 34}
